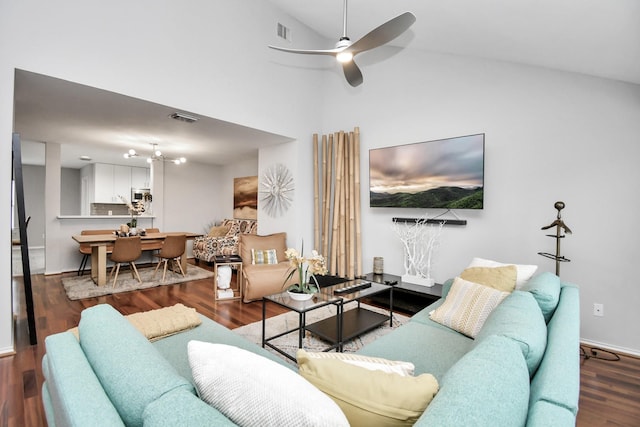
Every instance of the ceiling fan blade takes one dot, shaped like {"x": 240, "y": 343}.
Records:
{"x": 332, "y": 52}
{"x": 352, "y": 73}
{"x": 384, "y": 33}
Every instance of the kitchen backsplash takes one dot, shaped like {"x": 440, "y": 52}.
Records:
{"x": 109, "y": 209}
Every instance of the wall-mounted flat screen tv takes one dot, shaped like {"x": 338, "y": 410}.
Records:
{"x": 447, "y": 173}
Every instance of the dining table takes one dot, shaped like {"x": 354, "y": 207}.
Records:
{"x": 99, "y": 243}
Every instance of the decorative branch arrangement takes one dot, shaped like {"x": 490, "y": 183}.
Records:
{"x": 420, "y": 241}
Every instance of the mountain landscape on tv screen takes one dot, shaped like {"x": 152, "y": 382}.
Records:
{"x": 442, "y": 197}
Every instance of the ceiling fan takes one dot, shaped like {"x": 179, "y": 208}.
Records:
{"x": 345, "y": 50}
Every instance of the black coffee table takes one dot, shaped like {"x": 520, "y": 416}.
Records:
{"x": 356, "y": 321}
{"x": 338, "y": 329}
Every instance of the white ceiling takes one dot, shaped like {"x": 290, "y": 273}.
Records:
{"x": 593, "y": 37}
{"x": 104, "y": 125}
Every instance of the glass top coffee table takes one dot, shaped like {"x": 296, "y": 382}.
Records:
{"x": 335, "y": 330}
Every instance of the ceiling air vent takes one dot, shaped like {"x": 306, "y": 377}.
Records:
{"x": 284, "y": 32}
{"x": 184, "y": 117}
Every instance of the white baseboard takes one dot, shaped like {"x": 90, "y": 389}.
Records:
{"x": 605, "y": 346}
{"x": 8, "y": 351}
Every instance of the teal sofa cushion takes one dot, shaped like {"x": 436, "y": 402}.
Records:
{"x": 546, "y": 414}
{"x": 519, "y": 318}
{"x": 174, "y": 347}
{"x": 545, "y": 288}
{"x": 423, "y": 315}
{"x": 181, "y": 408}
{"x": 489, "y": 386}
{"x": 69, "y": 375}
{"x": 558, "y": 378}
{"x": 131, "y": 371}
{"x": 414, "y": 342}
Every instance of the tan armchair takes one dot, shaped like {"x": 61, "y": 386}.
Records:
{"x": 264, "y": 279}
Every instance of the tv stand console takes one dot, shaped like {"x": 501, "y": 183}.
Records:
{"x": 407, "y": 297}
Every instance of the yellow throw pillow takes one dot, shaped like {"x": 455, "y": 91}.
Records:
{"x": 500, "y": 278}
{"x": 467, "y": 306}
{"x": 219, "y": 231}
{"x": 367, "y": 362}
{"x": 369, "y": 397}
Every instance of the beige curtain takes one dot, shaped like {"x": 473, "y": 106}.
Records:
{"x": 337, "y": 220}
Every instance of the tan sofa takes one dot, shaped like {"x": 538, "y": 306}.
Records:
{"x": 264, "y": 279}
{"x": 206, "y": 248}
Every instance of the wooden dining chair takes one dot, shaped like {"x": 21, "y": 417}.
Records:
{"x": 85, "y": 249}
{"x": 172, "y": 249}
{"x": 153, "y": 245}
{"x": 126, "y": 249}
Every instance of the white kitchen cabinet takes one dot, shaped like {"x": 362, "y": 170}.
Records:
{"x": 111, "y": 181}
{"x": 121, "y": 183}
{"x": 140, "y": 177}
{"x": 103, "y": 182}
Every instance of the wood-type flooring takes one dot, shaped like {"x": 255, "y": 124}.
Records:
{"x": 610, "y": 391}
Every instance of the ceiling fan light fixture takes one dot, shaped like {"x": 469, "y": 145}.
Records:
{"x": 344, "y": 56}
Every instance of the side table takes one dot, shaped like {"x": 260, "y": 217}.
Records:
{"x": 227, "y": 260}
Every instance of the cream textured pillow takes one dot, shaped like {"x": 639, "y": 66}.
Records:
{"x": 525, "y": 272}
{"x": 370, "y": 397}
{"x": 252, "y": 390}
{"x": 372, "y": 363}
{"x": 467, "y": 306}
{"x": 266, "y": 256}
{"x": 500, "y": 278}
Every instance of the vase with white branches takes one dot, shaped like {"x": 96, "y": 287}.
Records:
{"x": 420, "y": 241}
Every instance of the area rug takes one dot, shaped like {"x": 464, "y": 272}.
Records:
{"x": 289, "y": 342}
{"x": 79, "y": 287}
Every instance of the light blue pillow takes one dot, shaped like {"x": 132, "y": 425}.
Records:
{"x": 545, "y": 288}
{"x": 131, "y": 371}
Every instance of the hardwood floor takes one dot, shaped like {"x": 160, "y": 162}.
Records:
{"x": 610, "y": 391}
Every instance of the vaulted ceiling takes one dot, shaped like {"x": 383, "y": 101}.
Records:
{"x": 593, "y": 37}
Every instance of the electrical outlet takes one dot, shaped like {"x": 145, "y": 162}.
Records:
{"x": 598, "y": 309}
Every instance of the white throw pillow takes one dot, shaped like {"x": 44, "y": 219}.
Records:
{"x": 525, "y": 272}
{"x": 252, "y": 390}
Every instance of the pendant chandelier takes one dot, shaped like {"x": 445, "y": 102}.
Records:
{"x": 156, "y": 155}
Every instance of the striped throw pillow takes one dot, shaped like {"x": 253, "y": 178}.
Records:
{"x": 467, "y": 306}
{"x": 263, "y": 256}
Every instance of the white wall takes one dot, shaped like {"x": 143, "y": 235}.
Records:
{"x": 549, "y": 136}
{"x": 210, "y": 57}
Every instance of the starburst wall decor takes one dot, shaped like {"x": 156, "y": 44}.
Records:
{"x": 276, "y": 190}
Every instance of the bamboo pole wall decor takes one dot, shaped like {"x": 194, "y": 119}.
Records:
{"x": 337, "y": 219}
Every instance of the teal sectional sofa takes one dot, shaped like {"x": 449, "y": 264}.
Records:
{"x": 522, "y": 369}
